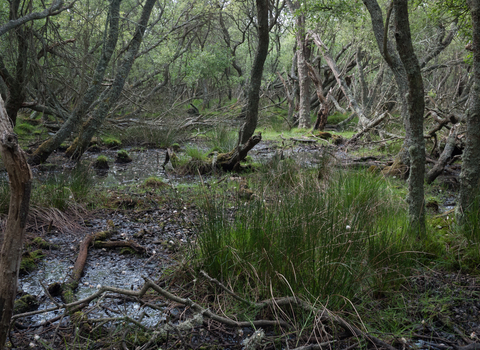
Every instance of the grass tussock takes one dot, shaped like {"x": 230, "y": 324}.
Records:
{"x": 338, "y": 236}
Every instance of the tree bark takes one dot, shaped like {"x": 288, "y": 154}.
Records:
{"x": 20, "y": 178}
{"x": 46, "y": 148}
{"x": 108, "y": 99}
{"x": 470, "y": 174}
{"x": 393, "y": 60}
{"x": 253, "y": 94}
{"x": 416, "y": 106}
{"x": 302, "y": 68}
{"x": 444, "y": 157}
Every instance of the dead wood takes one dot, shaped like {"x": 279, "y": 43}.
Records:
{"x": 444, "y": 157}
{"x": 225, "y": 161}
{"x": 368, "y": 127}
{"x": 121, "y": 244}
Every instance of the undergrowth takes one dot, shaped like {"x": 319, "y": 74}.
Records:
{"x": 331, "y": 238}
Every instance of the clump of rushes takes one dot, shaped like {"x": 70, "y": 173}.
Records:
{"x": 337, "y": 236}
{"x": 123, "y": 157}
{"x": 101, "y": 163}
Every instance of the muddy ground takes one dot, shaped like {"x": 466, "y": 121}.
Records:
{"x": 167, "y": 230}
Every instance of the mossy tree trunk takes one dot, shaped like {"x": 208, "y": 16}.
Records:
{"x": 470, "y": 175}
{"x": 416, "y": 107}
{"x": 46, "y": 148}
{"x": 20, "y": 178}
{"x": 91, "y": 126}
{"x": 253, "y": 95}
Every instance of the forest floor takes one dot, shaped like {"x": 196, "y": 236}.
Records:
{"x": 436, "y": 307}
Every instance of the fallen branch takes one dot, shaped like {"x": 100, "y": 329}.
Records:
{"x": 367, "y": 128}
{"x": 444, "y": 157}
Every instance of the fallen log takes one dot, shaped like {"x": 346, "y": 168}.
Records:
{"x": 229, "y": 161}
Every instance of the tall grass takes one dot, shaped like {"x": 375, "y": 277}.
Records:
{"x": 63, "y": 190}
{"x": 223, "y": 139}
{"x": 342, "y": 236}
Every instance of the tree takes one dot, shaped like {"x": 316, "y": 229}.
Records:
{"x": 253, "y": 94}
{"x": 11, "y": 240}
{"x": 470, "y": 174}
{"x": 416, "y": 106}
{"x": 16, "y": 81}
{"x": 112, "y": 28}
{"x": 111, "y": 96}
{"x": 303, "y": 55}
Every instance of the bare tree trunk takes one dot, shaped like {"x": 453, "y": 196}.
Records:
{"x": 92, "y": 125}
{"x": 302, "y": 68}
{"x": 46, "y": 148}
{"x": 257, "y": 71}
{"x": 416, "y": 107}
{"x": 385, "y": 46}
{"x": 470, "y": 175}
{"x": 20, "y": 178}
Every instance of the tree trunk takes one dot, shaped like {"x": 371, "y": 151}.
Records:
{"x": 253, "y": 95}
{"x": 302, "y": 56}
{"x": 108, "y": 99}
{"x": 12, "y": 238}
{"x": 416, "y": 106}
{"x": 470, "y": 175}
{"x": 46, "y": 148}
{"x": 395, "y": 63}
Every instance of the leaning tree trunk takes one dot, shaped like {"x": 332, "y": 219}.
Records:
{"x": 91, "y": 126}
{"x": 253, "y": 94}
{"x": 46, "y": 148}
{"x": 20, "y": 178}
{"x": 416, "y": 106}
{"x": 470, "y": 175}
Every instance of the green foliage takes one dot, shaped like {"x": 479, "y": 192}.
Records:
{"x": 24, "y": 129}
{"x": 337, "y": 237}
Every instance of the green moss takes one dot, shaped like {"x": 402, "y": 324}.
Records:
{"x": 24, "y": 129}
{"x": 127, "y": 251}
{"x": 101, "y": 163}
{"x": 111, "y": 142}
{"x": 30, "y": 260}
{"x": 26, "y": 303}
{"x": 123, "y": 157}
{"x": 43, "y": 244}
{"x": 154, "y": 182}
